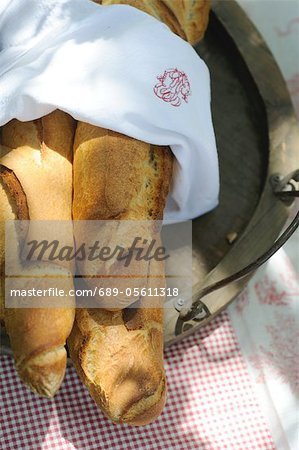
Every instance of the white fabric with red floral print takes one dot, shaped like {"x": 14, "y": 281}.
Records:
{"x": 266, "y": 321}
{"x": 266, "y": 315}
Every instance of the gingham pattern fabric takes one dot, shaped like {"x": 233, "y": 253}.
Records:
{"x": 211, "y": 405}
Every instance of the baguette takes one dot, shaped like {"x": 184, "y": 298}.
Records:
{"x": 119, "y": 354}
{"x": 130, "y": 181}
{"x": 119, "y": 357}
{"x": 36, "y": 184}
{"x": 192, "y": 16}
{"x": 155, "y": 8}
{"x": 117, "y": 177}
{"x": 187, "y": 18}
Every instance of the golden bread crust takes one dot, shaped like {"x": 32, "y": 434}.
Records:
{"x": 36, "y": 183}
{"x": 118, "y": 177}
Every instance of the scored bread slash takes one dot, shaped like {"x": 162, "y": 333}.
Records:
{"x": 15, "y": 189}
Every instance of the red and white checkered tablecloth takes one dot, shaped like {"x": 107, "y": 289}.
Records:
{"x": 211, "y": 405}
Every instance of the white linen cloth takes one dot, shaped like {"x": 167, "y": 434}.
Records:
{"x": 266, "y": 316}
{"x": 100, "y": 64}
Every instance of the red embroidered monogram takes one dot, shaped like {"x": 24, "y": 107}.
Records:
{"x": 173, "y": 87}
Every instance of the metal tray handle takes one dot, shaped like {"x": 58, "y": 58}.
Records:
{"x": 286, "y": 190}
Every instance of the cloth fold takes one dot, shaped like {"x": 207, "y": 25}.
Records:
{"x": 118, "y": 68}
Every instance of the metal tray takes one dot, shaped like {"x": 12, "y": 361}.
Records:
{"x": 257, "y": 137}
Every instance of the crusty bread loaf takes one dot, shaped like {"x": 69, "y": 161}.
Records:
{"x": 187, "y": 18}
{"x": 119, "y": 354}
{"x": 40, "y": 154}
{"x": 38, "y": 336}
{"x": 155, "y": 8}
{"x": 118, "y": 177}
{"x": 192, "y": 16}
{"x": 36, "y": 184}
{"x": 119, "y": 357}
